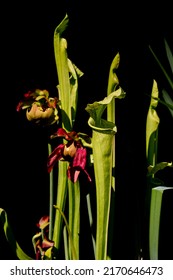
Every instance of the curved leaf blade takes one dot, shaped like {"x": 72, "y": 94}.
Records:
{"x": 10, "y": 237}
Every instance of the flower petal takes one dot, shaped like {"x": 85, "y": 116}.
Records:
{"x": 69, "y": 136}
{"x": 56, "y": 155}
{"x": 73, "y": 174}
{"x": 47, "y": 243}
{"x": 43, "y": 222}
{"x": 80, "y": 158}
{"x": 78, "y": 164}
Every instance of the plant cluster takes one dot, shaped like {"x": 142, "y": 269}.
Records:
{"x": 70, "y": 153}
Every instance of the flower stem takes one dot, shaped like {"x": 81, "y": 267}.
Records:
{"x": 74, "y": 214}
{"x": 50, "y": 198}
{"x": 61, "y": 200}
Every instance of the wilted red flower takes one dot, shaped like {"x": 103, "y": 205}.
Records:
{"x": 40, "y": 240}
{"x": 43, "y": 222}
{"x": 40, "y": 108}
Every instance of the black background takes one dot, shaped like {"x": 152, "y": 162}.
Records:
{"x": 96, "y": 32}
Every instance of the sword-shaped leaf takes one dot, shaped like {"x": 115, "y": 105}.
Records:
{"x": 155, "y": 212}
{"x": 11, "y": 238}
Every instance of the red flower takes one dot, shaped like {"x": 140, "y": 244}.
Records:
{"x": 73, "y": 152}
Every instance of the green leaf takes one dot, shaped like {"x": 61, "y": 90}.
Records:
{"x": 169, "y": 55}
{"x": 102, "y": 154}
{"x": 159, "y": 166}
{"x": 168, "y": 101}
{"x": 169, "y": 79}
{"x": 155, "y": 212}
{"x": 62, "y": 26}
{"x": 103, "y": 132}
{"x": 113, "y": 82}
{"x": 68, "y": 75}
{"x": 61, "y": 59}
{"x": 97, "y": 108}
{"x": 74, "y": 73}
{"x": 48, "y": 254}
{"x": 10, "y": 237}
{"x": 152, "y": 127}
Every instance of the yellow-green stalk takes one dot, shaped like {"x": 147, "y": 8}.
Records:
{"x": 68, "y": 75}
{"x": 103, "y": 132}
{"x": 113, "y": 83}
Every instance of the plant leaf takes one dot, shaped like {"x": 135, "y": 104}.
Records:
{"x": 103, "y": 132}
{"x": 158, "y": 166}
{"x": 155, "y": 212}
{"x": 170, "y": 81}
{"x": 152, "y": 127}
{"x": 10, "y": 237}
{"x": 97, "y": 108}
{"x": 169, "y": 55}
{"x": 168, "y": 101}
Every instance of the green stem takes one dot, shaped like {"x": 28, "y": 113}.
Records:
{"x": 91, "y": 221}
{"x": 61, "y": 200}
{"x": 74, "y": 256}
{"x": 74, "y": 214}
{"x": 66, "y": 252}
{"x": 50, "y": 198}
